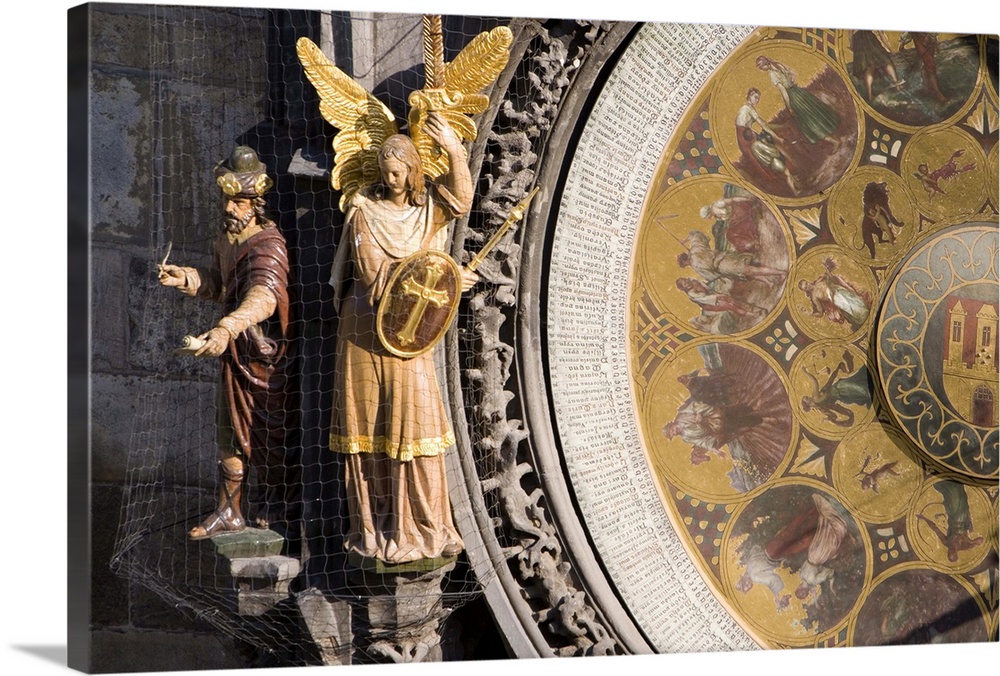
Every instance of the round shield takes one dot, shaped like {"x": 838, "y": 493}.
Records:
{"x": 419, "y": 303}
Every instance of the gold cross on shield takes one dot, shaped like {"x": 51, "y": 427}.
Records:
{"x": 426, "y": 294}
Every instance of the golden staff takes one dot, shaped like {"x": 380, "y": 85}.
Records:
{"x": 513, "y": 217}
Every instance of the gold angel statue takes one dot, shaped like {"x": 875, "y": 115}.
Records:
{"x": 395, "y": 288}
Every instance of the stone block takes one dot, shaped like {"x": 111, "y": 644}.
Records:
{"x": 142, "y": 651}
{"x": 263, "y": 581}
{"x": 402, "y": 615}
{"x": 159, "y": 318}
{"x": 113, "y": 35}
{"x": 318, "y": 227}
{"x": 109, "y": 594}
{"x": 120, "y": 156}
{"x": 251, "y": 602}
{"x": 389, "y": 56}
{"x": 193, "y": 135}
{"x": 137, "y": 324}
{"x": 176, "y": 580}
{"x": 273, "y": 568}
{"x": 109, "y": 318}
{"x": 150, "y": 611}
{"x": 146, "y": 430}
{"x": 329, "y": 625}
{"x": 169, "y": 93}
{"x": 225, "y": 45}
{"x": 407, "y": 604}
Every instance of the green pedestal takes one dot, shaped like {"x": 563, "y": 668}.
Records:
{"x": 372, "y": 565}
{"x": 249, "y": 543}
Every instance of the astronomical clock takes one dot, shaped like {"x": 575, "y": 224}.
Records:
{"x": 769, "y": 320}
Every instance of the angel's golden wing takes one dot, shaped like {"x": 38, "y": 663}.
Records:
{"x": 458, "y": 96}
{"x": 478, "y": 66}
{"x": 364, "y": 121}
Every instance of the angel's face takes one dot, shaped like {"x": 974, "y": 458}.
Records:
{"x": 394, "y": 175}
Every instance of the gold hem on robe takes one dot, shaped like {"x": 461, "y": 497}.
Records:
{"x": 401, "y": 451}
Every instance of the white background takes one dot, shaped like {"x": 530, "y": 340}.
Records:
{"x": 32, "y": 157}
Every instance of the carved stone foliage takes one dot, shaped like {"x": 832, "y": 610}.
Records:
{"x": 513, "y": 152}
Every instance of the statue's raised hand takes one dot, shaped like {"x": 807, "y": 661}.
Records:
{"x": 171, "y": 275}
{"x": 442, "y": 133}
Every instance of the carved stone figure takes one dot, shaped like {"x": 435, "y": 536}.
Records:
{"x": 389, "y": 419}
{"x": 249, "y": 276}
{"x": 388, "y": 415}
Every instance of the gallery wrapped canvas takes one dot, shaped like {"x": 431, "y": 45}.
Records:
{"x": 421, "y": 337}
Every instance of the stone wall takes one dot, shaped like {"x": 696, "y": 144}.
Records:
{"x": 141, "y": 183}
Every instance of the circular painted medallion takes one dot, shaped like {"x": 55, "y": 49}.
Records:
{"x": 795, "y": 562}
{"x": 937, "y": 348}
{"x": 718, "y": 421}
{"x": 872, "y": 216}
{"x": 951, "y": 524}
{"x": 831, "y": 387}
{"x": 714, "y": 255}
{"x": 877, "y": 473}
{"x": 831, "y": 294}
{"x": 909, "y": 78}
{"x": 947, "y": 172}
{"x": 786, "y": 120}
{"x": 945, "y": 611}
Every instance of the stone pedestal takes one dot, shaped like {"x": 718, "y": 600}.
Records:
{"x": 404, "y": 611}
{"x": 263, "y": 582}
{"x": 329, "y": 625}
{"x": 262, "y": 576}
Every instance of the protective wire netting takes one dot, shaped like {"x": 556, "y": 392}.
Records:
{"x": 284, "y": 392}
